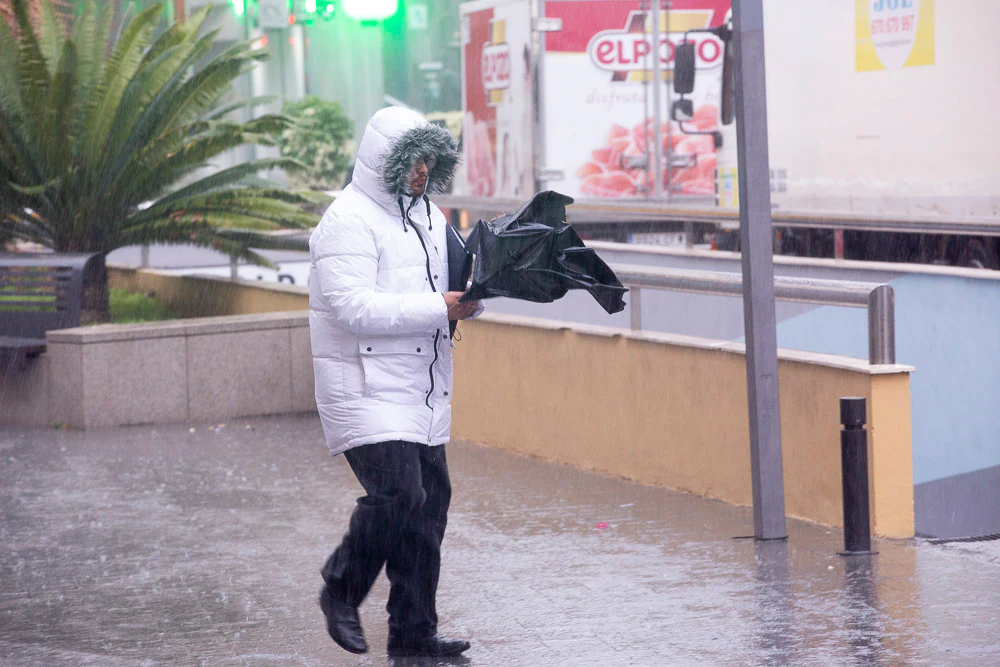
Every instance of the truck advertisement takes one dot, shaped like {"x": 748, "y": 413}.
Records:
{"x": 598, "y": 101}
{"x": 498, "y": 98}
{"x": 598, "y": 127}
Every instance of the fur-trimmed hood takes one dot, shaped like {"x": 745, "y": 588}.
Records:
{"x": 394, "y": 141}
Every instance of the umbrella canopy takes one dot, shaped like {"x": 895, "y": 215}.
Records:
{"x": 534, "y": 255}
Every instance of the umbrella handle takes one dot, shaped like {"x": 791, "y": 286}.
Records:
{"x": 472, "y": 272}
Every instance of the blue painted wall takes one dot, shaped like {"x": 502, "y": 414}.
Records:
{"x": 949, "y": 329}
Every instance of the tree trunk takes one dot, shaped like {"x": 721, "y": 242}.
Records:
{"x": 94, "y": 306}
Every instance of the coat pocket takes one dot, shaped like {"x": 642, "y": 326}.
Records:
{"x": 397, "y": 369}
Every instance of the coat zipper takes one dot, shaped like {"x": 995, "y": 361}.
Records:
{"x": 437, "y": 337}
{"x": 437, "y": 334}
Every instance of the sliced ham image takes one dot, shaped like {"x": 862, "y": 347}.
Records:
{"x": 481, "y": 161}
{"x": 605, "y": 173}
{"x": 589, "y": 169}
{"x": 706, "y": 118}
{"x": 614, "y": 184}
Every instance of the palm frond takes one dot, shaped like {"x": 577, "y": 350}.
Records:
{"x": 143, "y": 120}
{"x": 257, "y": 214}
{"x": 10, "y": 98}
{"x": 33, "y": 74}
{"x": 148, "y": 180}
{"x": 121, "y": 67}
{"x": 51, "y": 35}
{"x": 26, "y": 230}
{"x": 250, "y": 102}
{"x": 226, "y": 178}
{"x": 140, "y": 118}
{"x": 201, "y": 92}
{"x": 91, "y": 34}
{"x": 62, "y": 101}
{"x": 265, "y": 241}
{"x": 22, "y": 165}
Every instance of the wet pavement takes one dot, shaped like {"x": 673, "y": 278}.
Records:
{"x": 162, "y": 546}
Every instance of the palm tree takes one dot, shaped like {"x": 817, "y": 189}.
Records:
{"x": 101, "y": 151}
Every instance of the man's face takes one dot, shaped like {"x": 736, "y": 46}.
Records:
{"x": 418, "y": 181}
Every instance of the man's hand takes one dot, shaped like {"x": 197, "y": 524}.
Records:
{"x": 457, "y": 310}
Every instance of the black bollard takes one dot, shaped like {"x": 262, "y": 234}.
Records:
{"x": 854, "y": 473}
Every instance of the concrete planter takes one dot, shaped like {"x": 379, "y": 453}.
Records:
{"x": 185, "y": 370}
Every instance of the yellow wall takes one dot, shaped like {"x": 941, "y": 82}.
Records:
{"x": 890, "y": 465}
{"x": 206, "y": 296}
{"x": 676, "y": 415}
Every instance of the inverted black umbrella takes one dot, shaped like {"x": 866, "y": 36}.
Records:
{"x": 534, "y": 255}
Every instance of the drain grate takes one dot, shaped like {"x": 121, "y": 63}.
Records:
{"x": 980, "y": 538}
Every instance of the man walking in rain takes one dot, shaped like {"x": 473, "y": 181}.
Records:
{"x": 379, "y": 314}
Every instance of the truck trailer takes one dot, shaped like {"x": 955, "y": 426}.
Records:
{"x": 880, "y": 147}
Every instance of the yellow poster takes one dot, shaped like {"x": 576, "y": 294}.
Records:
{"x": 727, "y": 187}
{"x": 890, "y": 34}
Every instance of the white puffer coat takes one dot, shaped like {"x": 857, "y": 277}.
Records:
{"x": 378, "y": 320}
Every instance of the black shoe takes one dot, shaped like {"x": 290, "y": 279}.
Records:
{"x": 430, "y": 647}
{"x": 342, "y": 623}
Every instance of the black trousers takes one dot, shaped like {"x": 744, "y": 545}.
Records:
{"x": 399, "y": 523}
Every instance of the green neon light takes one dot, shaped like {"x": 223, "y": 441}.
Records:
{"x": 310, "y": 6}
{"x": 370, "y": 10}
{"x": 239, "y": 7}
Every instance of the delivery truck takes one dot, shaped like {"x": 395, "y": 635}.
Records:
{"x": 881, "y": 143}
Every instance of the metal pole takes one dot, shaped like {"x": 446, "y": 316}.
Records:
{"x": 646, "y": 81}
{"x": 635, "y": 308}
{"x": 248, "y": 112}
{"x": 657, "y": 112}
{"x": 854, "y": 476}
{"x": 758, "y": 272}
{"x": 881, "y": 326}
{"x": 669, "y": 153}
{"x": 538, "y": 40}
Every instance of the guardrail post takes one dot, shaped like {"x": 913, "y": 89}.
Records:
{"x": 854, "y": 473}
{"x": 635, "y": 308}
{"x": 881, "y": 326}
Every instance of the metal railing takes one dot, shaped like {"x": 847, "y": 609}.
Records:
{"x": 635, "y": 210}
{"x": 877, "y": 298}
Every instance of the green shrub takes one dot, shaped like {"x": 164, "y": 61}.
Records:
{"x": 320, "y": 138}
{"x": 127, "y": 307}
